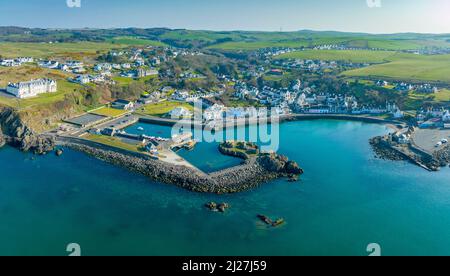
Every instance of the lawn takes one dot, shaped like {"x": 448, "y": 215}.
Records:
{"x": 442, "y": 96}
{"x": 27, "y": 73}
{"x": 408, "y": 67}
{"x": 111, "y": 141}
{"x": 415, "y": 100}
{"x": 162, "y": 108}
{"x": 64, "y": 87}
{"x": 123, "y": 81}
{"x": 357, "y": 56}
{"x": 109, "y": 112}
{"x": 46, "y": 50}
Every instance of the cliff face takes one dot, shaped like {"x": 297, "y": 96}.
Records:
{"x": 18, "y": 134}
{"x": 2, "y": 138}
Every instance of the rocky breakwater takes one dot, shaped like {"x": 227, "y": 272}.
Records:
{"x": 258, "y": 168}
{"x": 389, "y": 147}
{"x": 254, "y": 171}
{"x": 17, "y": 134}
{"x": 443, "y": 156}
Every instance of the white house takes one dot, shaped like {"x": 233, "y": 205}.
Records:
{"x": 122, "y": 104}
{"x": 180, "y": 95}
{"x": 83, "y": 79}
{"x": 398, "y": 114}
{"x": 126, "y": 66}
{"x": 213, "y": 113}
{"x": 25, "y": 59}
{"x": 32, "y": 88}
{"x": 180, "y": 112}
{"x": 446, "y": 116}
{"x": 10, "y": 63}
{"x": 49, "y": 64}
{"x": 102, "y": 67}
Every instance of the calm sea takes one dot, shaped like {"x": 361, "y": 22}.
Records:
{"x": 346, "y": 200}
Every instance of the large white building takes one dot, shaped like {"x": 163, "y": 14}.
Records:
{"x": 180, "y": 112}
{"x": 32, "y": 88}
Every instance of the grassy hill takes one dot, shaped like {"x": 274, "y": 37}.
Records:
{"x": 357, "y": 56}
{"x": 408, "y": 67}
{"x": 225, "y": 40}
{"x": 29, "y": 72}
{"x": 44, "y": 50}
{"x": 137, "y": 41}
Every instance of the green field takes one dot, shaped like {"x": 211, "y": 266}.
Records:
{"x": 45, "y": 50}
{"x": 162, "y": 108}
{"x": 123, "y": 81}
{"x": 292, "y": 40}
{"x": 109, "y": 112}
{"x": 111, "y": 141}
{"x": 392, "y": 45}
{"x": 129, "y": 40}
{"x": 250, "y": 46}
{"x": 64, "y": 87}
{"x": 357, "y": 56}
{"x": 442, "y": 96}
{"x": 408, "y": 67}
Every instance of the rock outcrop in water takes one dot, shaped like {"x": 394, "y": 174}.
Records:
{"x": 19, "y": 135}
{"x": 279, "y": 164}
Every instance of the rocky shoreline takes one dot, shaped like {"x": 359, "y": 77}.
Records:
{"x": 251, "y": 174}
{"x": 387, "y": 149}
{"x": 17, "y": 134}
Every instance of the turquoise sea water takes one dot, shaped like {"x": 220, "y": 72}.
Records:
{"x": 346, "y": 200}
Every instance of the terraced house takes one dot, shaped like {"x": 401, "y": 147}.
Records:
{"x": 32, "y": 88}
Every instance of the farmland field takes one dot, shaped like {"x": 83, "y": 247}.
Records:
{"x": 408, "y": 67}
{"x": 249, "y": 46}
{"x": 358, "y": 56}
{"x": 384, "y": 44}
{"x": 128, "y": 40}
{"x": 45, "y": 50}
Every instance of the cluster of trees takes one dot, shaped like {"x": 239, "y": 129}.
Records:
{"x": 111, "y": 59}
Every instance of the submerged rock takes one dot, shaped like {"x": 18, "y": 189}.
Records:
{"x": 217, "y": 207}
{"x": 265, "y": 219}
{"x": 278, "y": 222}
{"x": 270, "y": 222}
{"x": 211, "y": 206}
{"x": 223, "y": 207}
{"x": 59, "y": 152}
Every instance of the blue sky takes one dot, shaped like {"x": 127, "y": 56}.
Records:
{"x": 426, "y": 16}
